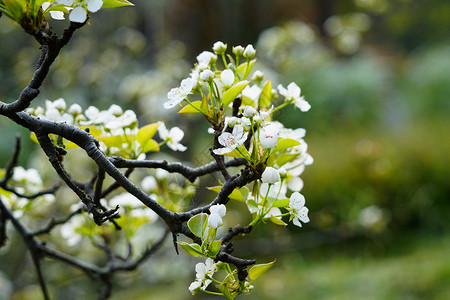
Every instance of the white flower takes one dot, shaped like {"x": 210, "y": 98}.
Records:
{"x": 219, "y": 47}
{"x": 277, "y": 190}
{"x": 270, "y": 175}
{"x": 30, "y": 176}
{"x": 238, "y": 50}
{"x": 215, "y": 217}
{"x": 207, "y": 75}
{"x": 172, "y": 136}
{"x": 269, "y": 136}
{"x": 69, "y": 230}
{"x": 227, "y": 77}
{"x": 231, "y": 140}
{"x": 125, "y": 199}
{"x": 249, "y": 111}
{"x": 57, "y": 15}
{"x": 205, "y": 58}
{"x": 176, "y": 95}
{"x": 202, "y": 270}
{"x": 126, "y": 120}
{"x": 252, "y": 92}
{"x": 249, "y": 51}
{"x": 116, "y": 110}
{"x": 149, "y": 183}
{"x": 81, "y": 8}
{"x": 293, "y": 93}
{"x": 298, "y": 210}
{"x": 258, "y": 76}
{"x": 75, "y": 109}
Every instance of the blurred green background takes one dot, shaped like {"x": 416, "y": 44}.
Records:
{"x": 377, "y": 74}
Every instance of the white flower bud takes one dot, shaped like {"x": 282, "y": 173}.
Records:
{"x": 249, "y": 51}
{"x": 258, "y": 76}
{"x": 227, "y": 77}
{"x": 238, "y": 50}
{"x": 75, "y": 109}
{"x": 219, "y": 47}
{"x": 115, "y": 110}
{"x": 270, "y": 175}
{"x": 282, "y": 171}
{"x": 59, "y": 104}
{"x": 249, "y": 112}
{"x": 207, "y": 75}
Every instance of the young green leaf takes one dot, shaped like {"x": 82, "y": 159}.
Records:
{"x": 277, "y": 221}
{"x": 283, "y": 144}
{"x": 266, "y": 95}
{"x": 194, "y": 107}
{"x": 197, "y": 224}
{"x": 192, "y": 249}
{"x": 145, "y": 134}
{"x": 233, "y": 92}
{"x": 215, "y": 248}
{"x": 116, "y": 3}
{"x": 235, "y": 194}
{"x": 258, "y": 270}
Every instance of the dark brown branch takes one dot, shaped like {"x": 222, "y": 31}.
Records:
{"x": 189, "y": 173}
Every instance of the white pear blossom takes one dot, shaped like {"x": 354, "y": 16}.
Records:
{"x": 249, "y": 111}
{"x": 218, "y": 211}
{"x": 57, "y": 15}
{"x": 238, "y": 50}
{"x": 258, "y": 76}
{"x": 149, "y": 183}
{"x": 202, "y": 271}
{"x": 252, "y": 92}
{"x": 205, "y": 58}
{"x": 176, "y": 95}
{"x": 81, "y": 8}
{"x": 293, "y": 93}
{"x": 207, "y": 75}
{"x": 231, "y": 140}
{"x": 270, "y": 175}
{"x": 277, "y": 190}
{"x": 219, "y": 47}
{"x": 249, "y": 51}
{"x": 227, "y": 77}
{"x": 269, "y": 136}
{"x": 75, "y": 109}
{"x": 172, "y": 136}
{"x": 298, "y": 210}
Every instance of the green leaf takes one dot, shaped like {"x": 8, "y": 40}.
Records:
{"x": 252, "y": 206}
{"x": 192, "y": 249}
{"x": 233, "y": 92}
{"x": 223, "y": 287}
{"x": 281, "y": 203}
{"x": 235, "y": 194}
{"x": 266, "y": 95}
{"x": 285, "y": 158}
{"x": 215, "y": 248}
{"x": 283, "y": 144}
{"x": 197, "y": 224}
{"x": 194, "y": 107}
{"x": 116, "y": 3}
{"x": 243, "y": 71}
{"x": 277, "y": 221}
{"x": 151, "y": 145}
{"x": 144, "y": 137}
{"x": 258, "y": 270}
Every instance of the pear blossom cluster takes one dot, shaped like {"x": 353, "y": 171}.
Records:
{"x": 79, "y": 9}
{"x": 25, "y": 182}
{"x": 117, "y": 130}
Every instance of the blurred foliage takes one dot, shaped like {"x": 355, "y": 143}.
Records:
{"x": 377, "y": 128}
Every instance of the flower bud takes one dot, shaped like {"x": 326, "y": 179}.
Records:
{"x": 270, "y": 175}
{"x": 75, "y": 109}
{"x": 249, "y": 51}
{"x": 207, "y": 75}
{"x": 258, "y": 76}
{"x": 249, "y": 112}
{"x": 219, "y": 47}
{"x": 227, "y": 77}
{"x": 282, "y": 171}
{"x": 238, "y": 50}
{"x": 60, "y": 104}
